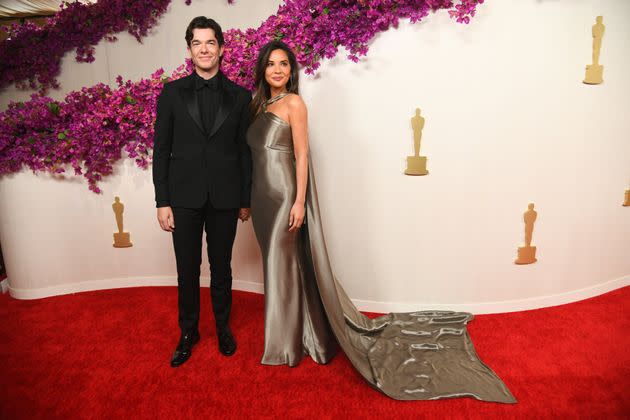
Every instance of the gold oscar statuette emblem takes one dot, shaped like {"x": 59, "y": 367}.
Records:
{"x": 416, "y": 164}
{"x": 121, "y": 238}
{"x": 626, "y": 202}
{"x": 527, "y": 253}
{"x": 595, "y": 71}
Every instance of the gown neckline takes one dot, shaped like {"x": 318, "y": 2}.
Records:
{"x": 277, "y": 118}
{"x": 274, "y": 115}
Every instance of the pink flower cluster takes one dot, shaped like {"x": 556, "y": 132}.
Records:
{"x": 316, "y": 29}
{"x": 31, "y": 55}
{"x": 87, "y": 131}
{"x": 90, "y": 128}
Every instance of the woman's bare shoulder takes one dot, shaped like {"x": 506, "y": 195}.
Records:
{"x": 295, "y": 102}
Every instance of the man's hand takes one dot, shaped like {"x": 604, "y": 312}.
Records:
{"x": 166, "y": 219}
{"x": 244, "y": 214}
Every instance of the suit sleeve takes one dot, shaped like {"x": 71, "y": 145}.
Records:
{"x": 162, "y": 143}
{"x": 246, "y": 155}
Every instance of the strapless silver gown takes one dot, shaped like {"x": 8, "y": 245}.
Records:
{"x": 408, "y": 356}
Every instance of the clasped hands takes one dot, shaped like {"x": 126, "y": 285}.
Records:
{"x": 296, "y": 217}
{"x": 167, "y": 221}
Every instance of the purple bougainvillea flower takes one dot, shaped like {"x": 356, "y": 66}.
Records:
{"x": 91, "y": 129}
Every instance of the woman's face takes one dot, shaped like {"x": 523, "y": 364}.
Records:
{"x": 278, "y": 69}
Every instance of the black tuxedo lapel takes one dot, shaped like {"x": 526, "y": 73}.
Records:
{"x": 228, "y": 101}
{"x": 190, "y": 99}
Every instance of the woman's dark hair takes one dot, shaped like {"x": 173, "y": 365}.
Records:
{"x": 262, "y": 91}
{"x": 202, "y": 22}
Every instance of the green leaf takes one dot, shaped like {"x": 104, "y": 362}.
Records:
{"x": 53, "y": 107}
{"x": 61, "y": 136}
{"x": 129, "y": 99}
{"x": 326, "y": 10}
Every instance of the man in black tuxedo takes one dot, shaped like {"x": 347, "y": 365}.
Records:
{"x": 202, "y": 177}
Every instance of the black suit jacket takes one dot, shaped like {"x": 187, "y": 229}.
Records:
{"x": 191, "y": 165}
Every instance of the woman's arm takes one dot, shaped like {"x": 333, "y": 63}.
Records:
{"x": 299, "y": 128}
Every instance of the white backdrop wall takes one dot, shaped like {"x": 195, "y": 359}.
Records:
{"x": 508, "y": 122}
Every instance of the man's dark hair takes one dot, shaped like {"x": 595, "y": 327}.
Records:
{"x": 202, "y": 22}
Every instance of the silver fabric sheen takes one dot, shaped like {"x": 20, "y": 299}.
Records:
{"x": 421, "y": 355}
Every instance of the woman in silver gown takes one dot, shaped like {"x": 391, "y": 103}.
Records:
{"x": 414, "y": 356}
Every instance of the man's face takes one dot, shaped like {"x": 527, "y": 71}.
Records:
{"x": 204, "y": 50}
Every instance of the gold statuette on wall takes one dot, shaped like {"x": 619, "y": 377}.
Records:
{"x": 416, "y": 164}
{"x": 595, "y": 71}
{"x": 626, "y": 202}
{"x": 527, "y": 253}
{"x": 121, "y": 239}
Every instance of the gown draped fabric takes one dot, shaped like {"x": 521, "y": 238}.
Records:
{"x": 408, "y": 356}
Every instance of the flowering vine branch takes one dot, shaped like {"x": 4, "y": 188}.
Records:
{"x": 316, "y": 29}
{"x": 90, "y": 128}
{"x": 31, "y": 55}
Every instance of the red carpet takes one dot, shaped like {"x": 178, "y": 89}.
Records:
{"x": 105, "y": 354}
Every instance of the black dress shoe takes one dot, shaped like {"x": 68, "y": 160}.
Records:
{"x": 227, "y": 343}
{"x": 184, "y": 348}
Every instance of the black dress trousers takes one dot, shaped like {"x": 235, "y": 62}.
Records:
{"x": 220, "y": 227}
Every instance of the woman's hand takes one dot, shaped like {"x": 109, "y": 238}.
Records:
{"x": 296, "y": 217}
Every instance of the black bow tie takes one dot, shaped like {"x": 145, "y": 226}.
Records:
{"x": 211, "y": 83}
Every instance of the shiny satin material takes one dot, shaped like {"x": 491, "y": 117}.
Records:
{"x": 411, "y": 356}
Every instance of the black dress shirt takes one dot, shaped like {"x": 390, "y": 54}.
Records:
{"x": 209, "y": 97}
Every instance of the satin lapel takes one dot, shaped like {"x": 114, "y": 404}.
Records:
{"x": 228, "y": 100}
{"x": 192, "y": 104}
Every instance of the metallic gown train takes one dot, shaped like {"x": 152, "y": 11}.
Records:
{"x": 408, "y": 356}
